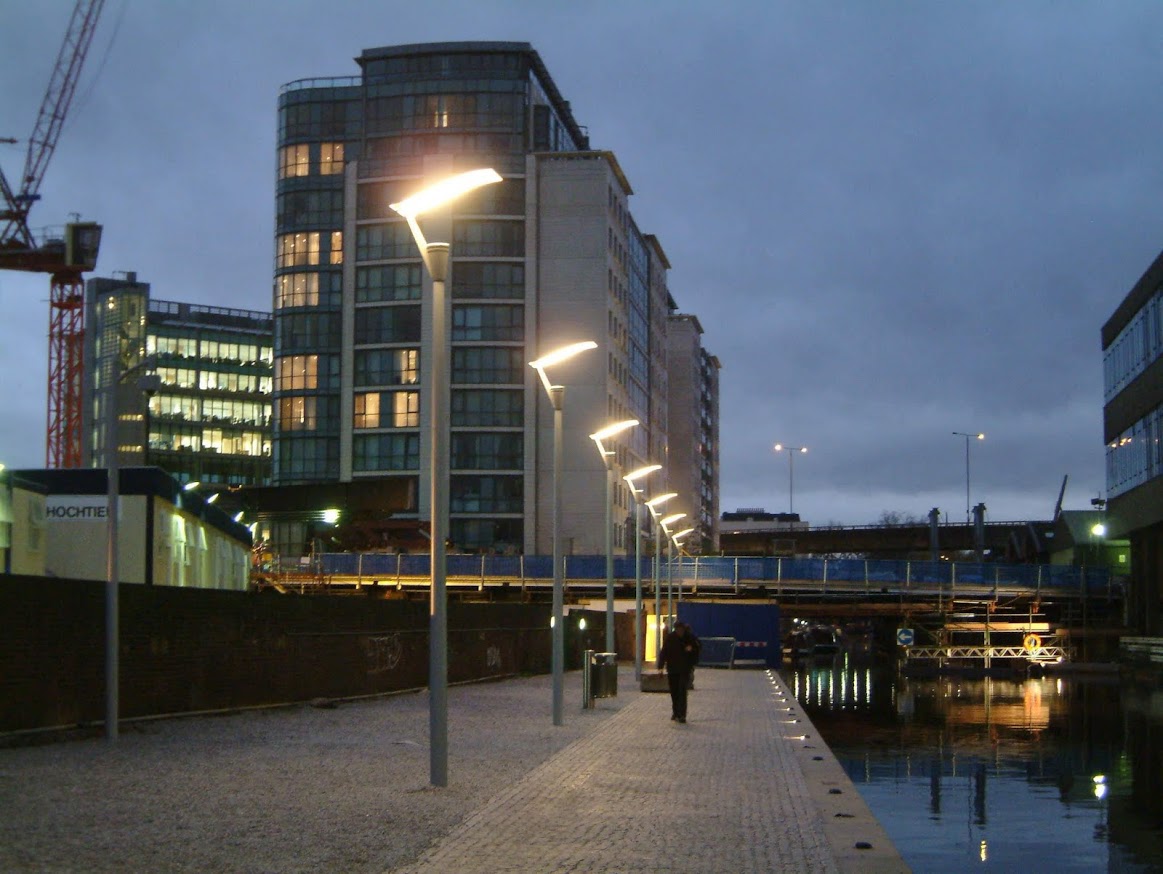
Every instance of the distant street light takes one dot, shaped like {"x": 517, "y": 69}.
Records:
{"x": 968, "y": 437}
{"x": 676, "y": 539}
{"x": 607, "y": 455}
{"x": 665, "y": 524}
{"x": 636, "y": 493}
{"x": 652, "y": 505}
{"x": 436, "y": 257}
{"x": 557, "y": 398}
{"x": 791, "y": 472}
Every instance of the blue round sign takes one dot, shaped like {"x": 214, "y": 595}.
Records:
{"x": 904, "y": 636}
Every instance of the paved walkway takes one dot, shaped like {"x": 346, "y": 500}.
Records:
{"x": 746, "y": 785}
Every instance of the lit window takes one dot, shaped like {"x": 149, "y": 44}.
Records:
{"x": 367, "y": 410}
{"x": 297, "y": 372}
{"x": 330, "y": 158}
{"x": 406, "y": 409}
{"x": 297, "y": 414}
{"x": 298, "y": 250}
{"x": 298, "y": 289}
{"x": 337, "y": 247}
{"x": 294, "y": 161}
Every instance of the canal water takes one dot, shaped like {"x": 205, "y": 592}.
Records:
{"x": 1051, "y": 774}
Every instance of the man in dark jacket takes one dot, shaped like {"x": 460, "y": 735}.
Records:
{"x": 679, "y": 655}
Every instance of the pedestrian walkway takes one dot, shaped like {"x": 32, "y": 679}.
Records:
{"x": 746, "y": 785}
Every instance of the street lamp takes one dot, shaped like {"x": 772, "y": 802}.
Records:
{"x": 557, "y": 398}
{"x": 676, "y": 539}
{"x": 436, "y": 257}
{"x": 147, "y": 383}
{"x": 791, "y": 472}
{"x": 630, "y": 479}
{"x": 607, "y": 459}
{"x": 652, "y": 506}
{"x": 665, "y": 524}
{"x": 968, "y": 437}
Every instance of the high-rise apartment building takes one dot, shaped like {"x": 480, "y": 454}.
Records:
{"x": 548, "y": 256}
{"x": 694, "y": 432}
{"x": 207, "y": 413}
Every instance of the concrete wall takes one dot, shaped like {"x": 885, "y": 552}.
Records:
{"x": 185, "y": 650}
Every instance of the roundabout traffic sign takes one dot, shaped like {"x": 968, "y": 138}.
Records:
{"x": 904, "y": 636}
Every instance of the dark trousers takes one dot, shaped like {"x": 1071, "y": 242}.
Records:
{"x": 678, "y": 681}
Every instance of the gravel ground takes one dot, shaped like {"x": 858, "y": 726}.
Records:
{"x": 290, "y": 789}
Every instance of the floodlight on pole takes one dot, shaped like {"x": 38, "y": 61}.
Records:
{"x": 791, "y": 471}
{"x": 436, "y": 257}
{"x": 635, "y": 492}
{"x": 557, "y": 399}
{"x": 611, "y": 430}
{"x": 968, "y": 437}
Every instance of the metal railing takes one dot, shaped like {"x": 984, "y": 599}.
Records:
{"x": 733, "y": 574}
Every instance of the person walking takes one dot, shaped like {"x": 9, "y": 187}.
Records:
{"x": 679, "y": 655}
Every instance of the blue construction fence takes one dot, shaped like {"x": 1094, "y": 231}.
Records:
{"x": 720, "y": 571}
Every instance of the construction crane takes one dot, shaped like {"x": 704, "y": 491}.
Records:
{"x": 66, "y": 255}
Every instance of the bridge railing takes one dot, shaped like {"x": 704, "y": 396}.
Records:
{"x": 733, "y": 572}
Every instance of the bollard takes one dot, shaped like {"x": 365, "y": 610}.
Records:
{"x": 587, "y": 679}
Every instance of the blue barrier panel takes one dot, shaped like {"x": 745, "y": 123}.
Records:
{"x": 849, "y": 570}
{"x": 414, "y": 566}
{"x": 749, "y": 570}
{"x": 539, "y": 567}
{"x": 972, "y": 572}
{"x": 623, "y": 567}
{"x": 380, "y": 564}
{"x": 802, "y": 568}
{"x": 930, "y": 572}
{"x": 585, "y": 567}
{"x": 1062, "y": 577}
{"x": 503, "y": 566}
{"x": 888, "y": 570}
{"x": 463, "y": 566}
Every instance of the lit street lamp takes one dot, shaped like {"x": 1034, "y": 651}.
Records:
{"x": 652, "y": 506}
{"x": 635, "y": 492}
{"x": 607, "y": 459}
{"x": 968, "y": 437}
{"x": 557, "y": 398}
{"x": 665, "y": 524}
{"x": 676, "y": 539}
{"x": 112, "y": 445}
{"x": 791, "y": 472}
{"x": 436, "y": 257}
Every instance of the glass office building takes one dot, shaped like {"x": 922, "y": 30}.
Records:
{"x": 548, "y": 256}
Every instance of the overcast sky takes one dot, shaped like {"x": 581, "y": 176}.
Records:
{"x": 894, "y": 220}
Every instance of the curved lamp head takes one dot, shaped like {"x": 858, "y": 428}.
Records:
{"x": 437, "y": 195}
{"x": 609, "y": 431}
{"x": 660, "y": 499}
{"x": 557, "y": 356}
{"x": 667, "y": 521}
{"x": 635, "y": 475}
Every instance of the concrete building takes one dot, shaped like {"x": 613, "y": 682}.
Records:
{"x": 550, "y": 255}
{"x": 1132, "y": 344}
{"x": 694, "y": 432}
{"x": 196, "y": 379}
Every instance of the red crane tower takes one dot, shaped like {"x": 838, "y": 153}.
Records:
{"x": 64, "y": 256}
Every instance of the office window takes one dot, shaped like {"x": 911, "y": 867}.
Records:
{"x": 387, "y": 367}
{"x": 336, "y": 254}
{"x": 477, "y": 280}
{"x": 487, "y": 451}
{"x": 392, "y": 324}
{"x": 298, "y": 250}
{"x": 484, "y": 322}
{"x": 488, "y": 364}
{"x": 295, "y": 210}
{"x": 487, "y": 408}
{"x": 381, "y": 242}
{"x": 401, "y": 409}
{"x": 394, "y": 282}
{"x": 485, "y": 238}
{"x": 385, "y": 452}
{"x": 330, "y": 158}
{"x": 296, "y": 372}
{"x": 297, "y": 414}
{"x": 300, "y": 458}
{"x": 294, "y": 161}
{"x": 304, "y": 331}
{"x": 367, "y": 410}
{"x": 486, "y": 494}
{"x": 297, "y": 290}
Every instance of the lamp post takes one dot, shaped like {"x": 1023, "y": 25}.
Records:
{"x": 110, "y": 417}
{"x": 968, "y": 437}
{"x": 556, "y": 395}
{"x": 606, "y": 433}
{"x": 652, "y": 505}
{"x": 791, "y": 472}
{"x": 676, "y": 539}
{"x": 635, "y": 492}
{"x": 665, "y": 524}
{"x": 435, "y": 257}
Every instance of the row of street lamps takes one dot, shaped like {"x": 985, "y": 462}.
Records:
{"x": 436, "y": 258}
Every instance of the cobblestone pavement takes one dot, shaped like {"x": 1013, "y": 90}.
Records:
{"x": 743, "y": 786}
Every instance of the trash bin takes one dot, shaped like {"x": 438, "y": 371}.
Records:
{"x": 604, "y": 675}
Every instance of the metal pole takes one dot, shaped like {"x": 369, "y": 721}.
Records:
{"x": 637, "y": 588}
{"x": 437, "y": 261}
{"x": 657, "y": 592}
{"x": 609, "y": 554}
{"x": 112, "y": 578}
{"x": 791, "y": 480}
{"x": 967, "y": 506}
{"x": 557, "y": 396}
{"x": 669, "y": 583}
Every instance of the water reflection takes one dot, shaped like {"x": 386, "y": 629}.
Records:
{"x": 1049, "y": 773}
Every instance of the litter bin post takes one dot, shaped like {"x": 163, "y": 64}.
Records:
{"x": 600, "y": 677}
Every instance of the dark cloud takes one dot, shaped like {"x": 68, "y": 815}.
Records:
{"x": 894, "y": 221}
